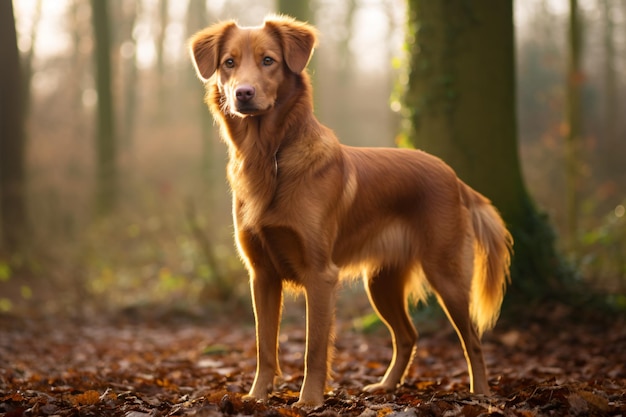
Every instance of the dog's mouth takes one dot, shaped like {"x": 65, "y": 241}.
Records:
{"x": 243, "y": 103}
{"x": 249, "y": 109}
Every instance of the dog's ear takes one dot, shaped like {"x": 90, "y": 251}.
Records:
{"x": 204, "y": 48}
{"x": 298, "y": 40}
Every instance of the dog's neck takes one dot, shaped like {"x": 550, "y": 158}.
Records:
{"x": 255, "y": 142}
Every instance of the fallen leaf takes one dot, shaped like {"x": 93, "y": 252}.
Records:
{"x": 596, "y": 401}
{"x": 86, "y": 398}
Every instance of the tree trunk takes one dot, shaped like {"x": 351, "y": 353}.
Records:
{"x": 162, "y": 110}
{"x": 611, "y": 88}
{"x": 106, "y": 175}
{"x": 460, "y": 102}
{"x": 212, "y": 166}
{"x": 300, "y": 9}
{"x": 130, "y": 77}
{"x": 346, "y": 71}
{"x": 160, "y": 39}
{"x": 13, "y": 219}
{"x": 27, "y": 67}
{"x": 574, "y": 123}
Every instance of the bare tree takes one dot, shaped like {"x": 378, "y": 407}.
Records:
{"x": 610, "y": 77}
{"x": 126, "y": 17}
{"x": 106, "y": 150}
{"x": 27, "y": 67}
{"x": 574, "y": 121}
{"x": 160, "y": 38}
{"x": 13, "y": 219}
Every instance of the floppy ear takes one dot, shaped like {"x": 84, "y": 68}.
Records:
{"x": 204, "y": 48}
{"x": 298, "y": 39}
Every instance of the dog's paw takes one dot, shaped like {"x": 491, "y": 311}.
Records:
{"x": 379, "y": 387}
{"x": 259, "y": 391}
{"x": 251, "y": 398}
{"x": 255, "y": 396}
{"x": 308, "y": 404}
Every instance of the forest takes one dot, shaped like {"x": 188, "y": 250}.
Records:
{"x": 121, "y": 291}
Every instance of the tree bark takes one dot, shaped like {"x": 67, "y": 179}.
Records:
{"x": 13, "y": 219}
{"x": 460, "y": 104}
{"x": 106, "y": 150}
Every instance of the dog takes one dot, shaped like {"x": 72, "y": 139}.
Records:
{"x": 309, "y": 211}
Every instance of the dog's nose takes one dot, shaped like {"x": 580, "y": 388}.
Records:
{"x": 244, "y": 93}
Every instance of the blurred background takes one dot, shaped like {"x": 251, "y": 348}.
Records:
{"x": 153, "y": 227}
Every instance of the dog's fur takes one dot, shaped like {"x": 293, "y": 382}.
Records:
{"x": 308, "y": 210}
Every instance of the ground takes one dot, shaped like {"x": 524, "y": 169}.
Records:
{"x": 556, "y": 362}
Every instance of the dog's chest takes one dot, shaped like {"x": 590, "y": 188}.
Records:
{"x": 259, "y": 207}
{"x": 271, "y": 191}
{"x": 254, "y": 186}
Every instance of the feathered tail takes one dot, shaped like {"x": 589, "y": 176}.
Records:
{"x": 492, "y": 258}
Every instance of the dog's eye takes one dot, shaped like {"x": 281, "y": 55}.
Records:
{"x": 267, "y": 61}
{"x": 229, "y": 63}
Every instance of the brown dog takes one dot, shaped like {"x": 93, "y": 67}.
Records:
{"x": 308, "y": 210}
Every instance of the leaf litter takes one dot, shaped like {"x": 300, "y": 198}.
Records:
{"x": 123, "y": 368}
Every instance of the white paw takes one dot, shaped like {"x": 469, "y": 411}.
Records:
{"x": 379, "y": 387}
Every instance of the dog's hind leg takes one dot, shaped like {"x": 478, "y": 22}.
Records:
{"x": 451, "y": 281}
{"x": 387, "y": 293}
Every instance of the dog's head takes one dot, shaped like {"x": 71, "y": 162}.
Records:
{"x": 249, "y": 64}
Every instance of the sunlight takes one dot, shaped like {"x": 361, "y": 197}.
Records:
{"x": 52, "y": 36}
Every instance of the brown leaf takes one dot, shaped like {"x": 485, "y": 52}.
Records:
{"x": 86, "y": 398}
{"x": 596, "y": 401}
{"x": 16, "y": 396}
{"x": 288, "y": 412}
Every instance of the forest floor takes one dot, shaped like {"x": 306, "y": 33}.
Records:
{"x": 557, "y": 362}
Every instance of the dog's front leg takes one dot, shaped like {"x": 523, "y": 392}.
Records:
{"x": 267, "y": 302}
{"x": 320, "y": 311}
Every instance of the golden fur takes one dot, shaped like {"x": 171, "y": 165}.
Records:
{"x": 308, "y": 210}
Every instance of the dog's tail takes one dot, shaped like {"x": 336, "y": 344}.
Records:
{"x": 492, "y": 258}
